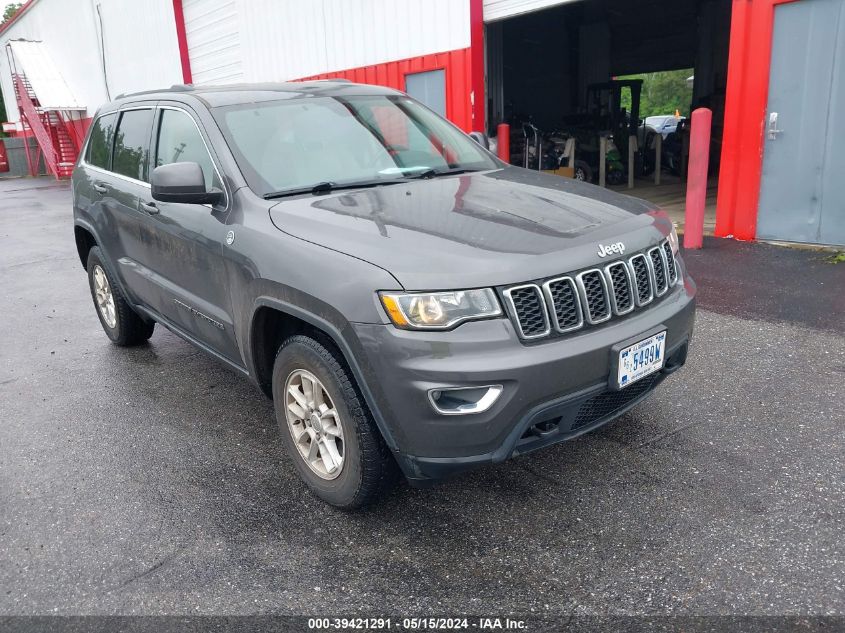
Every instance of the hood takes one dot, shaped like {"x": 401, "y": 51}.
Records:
{"x": 473, "y": 230}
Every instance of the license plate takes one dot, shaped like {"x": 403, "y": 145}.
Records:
{"x": 641, "y": 359}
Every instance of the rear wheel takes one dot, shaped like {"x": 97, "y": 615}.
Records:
{"x": 120, "y": 322}
{"x": 326, "y": 427}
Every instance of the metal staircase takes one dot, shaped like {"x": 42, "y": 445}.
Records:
{"x": 57, "y": 140}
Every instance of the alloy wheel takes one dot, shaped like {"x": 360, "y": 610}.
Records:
{"x": 314, "y": 424}
{"x": 104, "y": 297}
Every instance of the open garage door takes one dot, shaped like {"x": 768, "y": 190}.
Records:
{"x": 569, "y": 72}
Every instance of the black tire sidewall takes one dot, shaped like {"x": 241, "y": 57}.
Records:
{"x": 343, "y": 490}
{"x": 95, "y": 258}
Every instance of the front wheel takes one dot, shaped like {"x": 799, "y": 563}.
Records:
{"x": 326, "y": 427}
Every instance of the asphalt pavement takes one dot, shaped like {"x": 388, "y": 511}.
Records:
{"x": 151, "y": 480}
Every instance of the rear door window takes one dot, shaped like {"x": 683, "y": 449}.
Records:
{"x": 100, "y": 142}
{"x": 179, "y": 141}
{"x": 132, "y": 144}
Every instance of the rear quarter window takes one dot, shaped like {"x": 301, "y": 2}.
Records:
{"x": 100, "y": 141}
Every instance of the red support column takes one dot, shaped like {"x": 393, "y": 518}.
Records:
{"x": 746, "y": 100}
{"x": 503, "y": 140}
{"x": 699, "y": 157}
{"x": 182, "y": 39}
{"x": 478, "y": 94}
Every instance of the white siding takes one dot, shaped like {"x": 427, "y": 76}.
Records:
{"x": 501, "y": 9}
{"x": 140, "y": 45}
{"x": 142, "y": 52}
{"x": 272, "y": 40}
{"x": 211, "y": 28}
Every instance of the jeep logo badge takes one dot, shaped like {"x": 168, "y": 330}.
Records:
{"x": 616, "y": 248}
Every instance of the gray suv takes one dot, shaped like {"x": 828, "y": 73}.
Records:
{"x": 409, "y": 302}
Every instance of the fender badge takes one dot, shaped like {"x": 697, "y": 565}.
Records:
{"x": 230, "y": 237}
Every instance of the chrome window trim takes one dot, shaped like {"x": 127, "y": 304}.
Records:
{"x": 657, "y": 291}
{"x": 582, "y": 291}
{"x": 612, "y": 293}
{"x": 547, "y": 291}
{"x": 650, "y": 275}
{"x": 106, "y": 172}
{"x": 543, "y": 309}
{"x": 118, "y": 112}
{"x": 153, "y": 136}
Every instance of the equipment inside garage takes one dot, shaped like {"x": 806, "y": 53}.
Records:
{"x": 554, "y": 73}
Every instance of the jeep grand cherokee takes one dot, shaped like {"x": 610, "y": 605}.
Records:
{"x": 405, "y": 298}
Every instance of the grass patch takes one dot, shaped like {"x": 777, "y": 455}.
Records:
{"x": 836, "y": 258}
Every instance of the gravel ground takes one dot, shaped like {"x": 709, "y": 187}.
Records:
{"x": 149, "y": 481}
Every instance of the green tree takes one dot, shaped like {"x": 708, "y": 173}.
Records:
{"x": 663, "y": 93}
{"x": 9, "y": 11}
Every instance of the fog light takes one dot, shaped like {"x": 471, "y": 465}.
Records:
{"x": 464, "y": 400}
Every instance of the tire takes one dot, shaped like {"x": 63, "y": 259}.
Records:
{"x": 615, "y": 177}
{"x": 583, "y": 171}
{"x": 120, "y": 322}
{"x": 367, "y": 469}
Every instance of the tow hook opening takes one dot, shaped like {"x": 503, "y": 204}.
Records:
{"x": 464, "y": 400}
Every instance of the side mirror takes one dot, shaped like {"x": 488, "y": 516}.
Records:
{"x": 481, "y": 139}
{"x": 182, "y": 182}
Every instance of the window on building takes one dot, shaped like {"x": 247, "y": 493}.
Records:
{"x": 428, "y": 88}
{"x": 179, "y": 141}
{"x": 99, "y": 144}
{"x": 131, "y": 145}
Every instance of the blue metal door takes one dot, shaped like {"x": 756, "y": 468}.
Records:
{"x": 802, "y": 190}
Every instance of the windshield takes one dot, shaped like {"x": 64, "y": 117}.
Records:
{"x": 296, "y": 144}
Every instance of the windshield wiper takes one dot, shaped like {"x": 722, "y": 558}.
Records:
{"x": 327, "y": 186}
{"x": 434, "y": 173}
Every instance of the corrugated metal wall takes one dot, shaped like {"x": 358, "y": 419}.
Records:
{"x": 214, "y": 43}
{"x": 290, "y": 39}
{"x": 392, "y": 74}
{"x": 139, "y": 39}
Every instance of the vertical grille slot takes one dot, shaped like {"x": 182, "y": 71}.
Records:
{"x": 642, "y": 279}
{"x": 658, "y": 267}
{"x": 621, "y": 293}
{"x": 593, "y": 289}
{"x": 529, "y": 308}
{"x": 562, "y": 296}
{"x": 671, "y": 267}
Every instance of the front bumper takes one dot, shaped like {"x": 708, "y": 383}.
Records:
{"x": 553, "y": 390}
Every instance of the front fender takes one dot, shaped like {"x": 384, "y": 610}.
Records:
{"x": 343, "y": 336}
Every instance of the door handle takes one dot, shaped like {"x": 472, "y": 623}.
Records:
{"x": 99, "y": 188}
{"x": 773, "y": 126}
{"x": 149, "y": 207}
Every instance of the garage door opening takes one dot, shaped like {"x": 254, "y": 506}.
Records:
{"x": 589, "y": 70}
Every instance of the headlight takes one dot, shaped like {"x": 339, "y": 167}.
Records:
{"x": 673, "y": 240}
{"x": 439, "y": 310}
